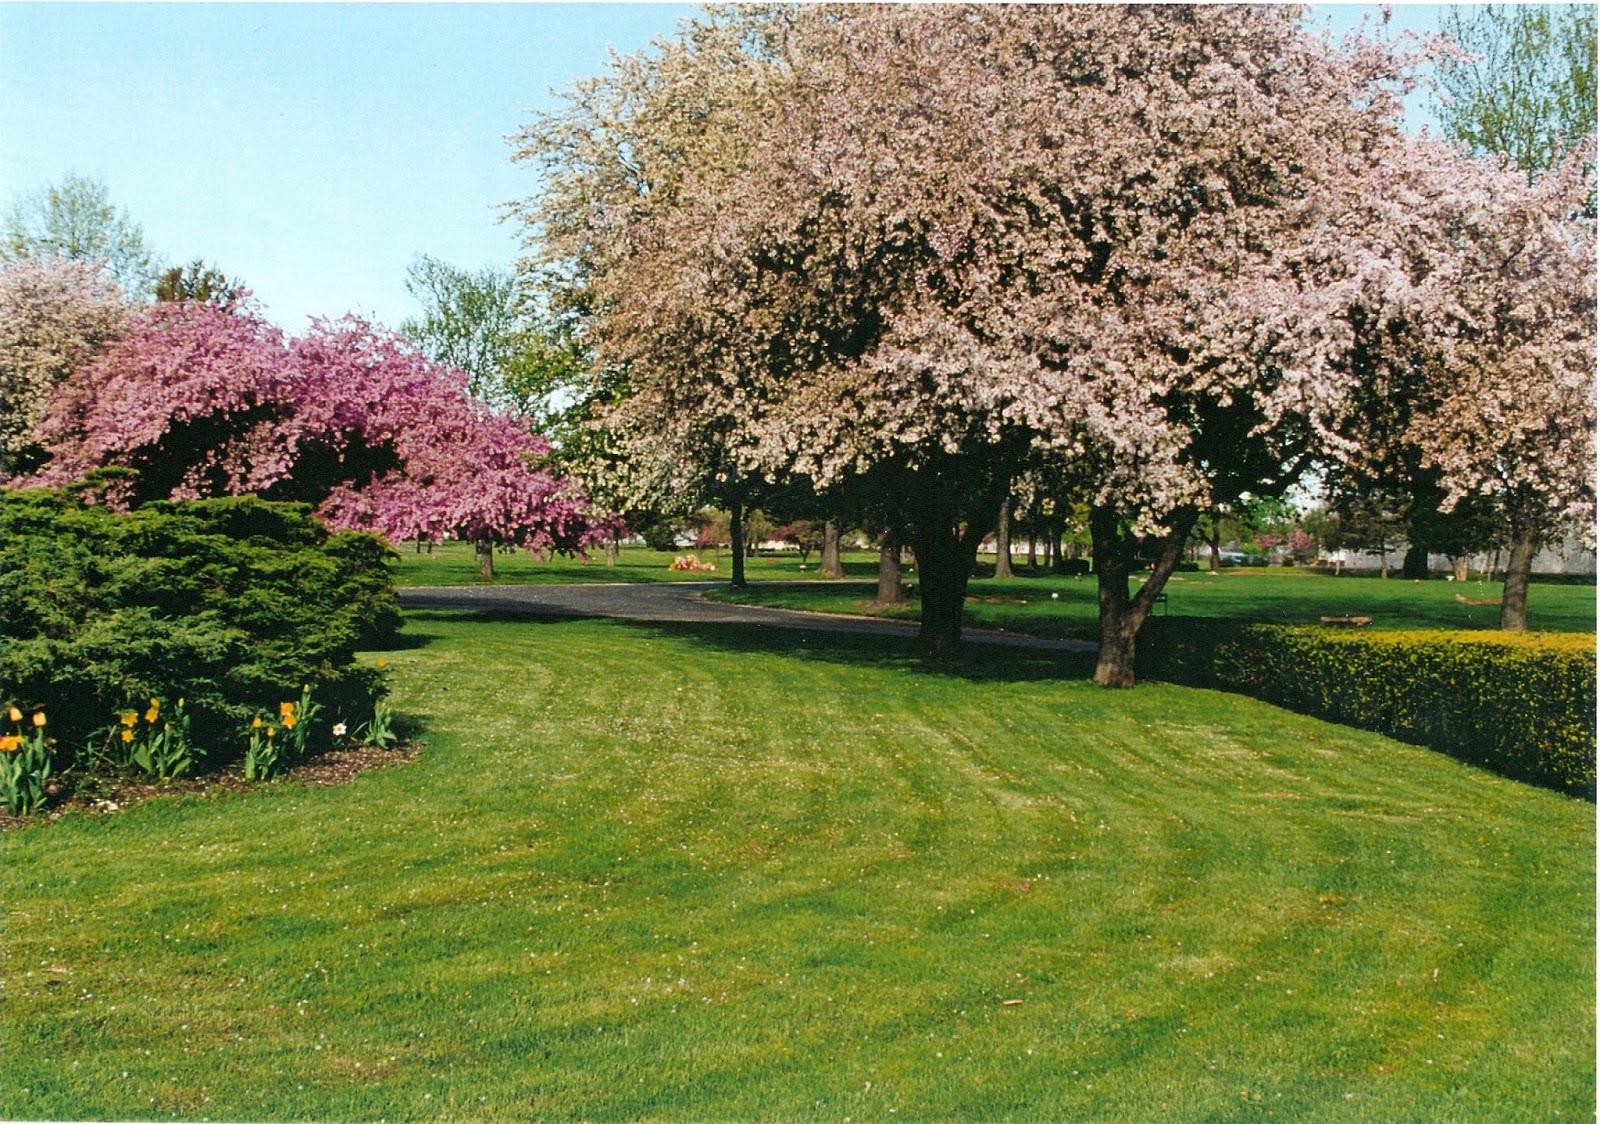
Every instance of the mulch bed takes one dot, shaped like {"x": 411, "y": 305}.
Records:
{"x": 108, "y": 795}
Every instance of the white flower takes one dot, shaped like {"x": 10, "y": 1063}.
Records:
{"x": 338, "y": 729}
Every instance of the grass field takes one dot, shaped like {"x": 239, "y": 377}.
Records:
{"x": 453, "y": 563}
{"x": 673, "y": 873}
{"x": 1276, "y": 596}
{"x": 1286, "y": 596}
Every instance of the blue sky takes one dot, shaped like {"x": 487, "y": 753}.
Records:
{"x": 314, "y": 149}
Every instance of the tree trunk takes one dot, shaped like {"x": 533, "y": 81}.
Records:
{"x": 1383, "y": 558}
{"x": 612, "y": 546}
{"x": 736, "y": 534}
{"x": 1415, "y": 565}
{"x": 1033, "y": 548}
{"x": 831, "y": 565}
{"x": 945, "y": 558}
{"x": 1519, "y": 569}
{"x": 1214, "y": 541}
{"x": 1121, "y": 615}
{"x": 890, "y": 591}
{"x": 1458, "y": 567}
{"x": 484, "y": 549}
{"x": 1002, "y": 541}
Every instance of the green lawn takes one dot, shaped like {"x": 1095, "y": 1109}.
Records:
{"x": 1277, "y": 596}
{"x": 1287, "y": 596}
{"x": 453, "y": 563}
{"x": 666, "y": 872}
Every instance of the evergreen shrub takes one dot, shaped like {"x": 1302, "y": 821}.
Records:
{"x": 231, "y": 604}
{"x": 1521, "y": 704}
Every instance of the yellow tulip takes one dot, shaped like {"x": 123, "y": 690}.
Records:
{"x": 15, "y": 714}
{"x": 11, "y": 743}
{"x": 271, "y": 733}
{"x": 256, "y": 725}
{"x": 289, "y": 721}
{"x": 38, "y": 719}
{"x": 285, "y": 709}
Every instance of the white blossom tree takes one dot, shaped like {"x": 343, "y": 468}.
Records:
{"x": 1510, "y": 408}
{"x": 917, "y": 249}
{"x": 55, "y": 315}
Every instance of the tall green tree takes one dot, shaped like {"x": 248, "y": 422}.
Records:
{"x": 200, "y": 284}
{"x": 471, "y": 320}
{"x": 77, "y": 221}
{"x": 1528, "y": 91}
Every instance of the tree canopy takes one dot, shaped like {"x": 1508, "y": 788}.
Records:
{"x": 199, "y": 282}
{"x": 76, "y": 220}
{"x": 918, "y": 249}
{"x": 1526, "y": 87}
{"x": 471, "y": 320}
{"x": 55, "y": 315}
{"x": 203, "y": 401}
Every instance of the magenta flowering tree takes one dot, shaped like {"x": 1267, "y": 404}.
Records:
{"x": 207, "y": 401}
{"x": 1301, "y": 544}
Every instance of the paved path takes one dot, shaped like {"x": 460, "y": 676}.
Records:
{"x": 680, "y": 601}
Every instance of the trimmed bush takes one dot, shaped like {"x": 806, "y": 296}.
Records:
{"x": 1521, "y": 704}
{"x": 230, "y": 604}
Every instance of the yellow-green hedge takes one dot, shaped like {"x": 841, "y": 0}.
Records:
{"x": 1520, "y": 704}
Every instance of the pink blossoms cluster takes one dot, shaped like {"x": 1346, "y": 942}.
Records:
{"x": 350, "y": 418}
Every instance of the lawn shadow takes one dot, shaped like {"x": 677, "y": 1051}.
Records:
{"x": 408, "y": 638}
{"x": 974, "y": 663}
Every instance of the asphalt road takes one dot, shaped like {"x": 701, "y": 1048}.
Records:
{"x": 679, "y": 601}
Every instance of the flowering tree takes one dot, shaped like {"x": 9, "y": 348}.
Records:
{"x": 1509, "y": 411}
{"x": 55, "y": 314}
{"x": 920, "y": 248}
{"x": 206, "y": 401}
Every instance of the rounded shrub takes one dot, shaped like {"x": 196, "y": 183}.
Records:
{"x": 234, "y": 605}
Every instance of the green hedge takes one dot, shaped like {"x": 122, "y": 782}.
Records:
{"x": 229, "y": 604}
{"x": 1520, "y": 704}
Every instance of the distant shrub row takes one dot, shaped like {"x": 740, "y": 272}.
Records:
{"x": 1520, "y": 704}
{"x": 230, "y": 605}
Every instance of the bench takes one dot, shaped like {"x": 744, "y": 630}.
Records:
{"x": 1348, "y": 622}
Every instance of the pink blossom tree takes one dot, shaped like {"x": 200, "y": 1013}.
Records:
{"x": 203, "y": 401}
{"x": 1302, "y": 545}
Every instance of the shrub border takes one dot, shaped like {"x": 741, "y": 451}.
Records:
{"x": 1520, "y": 704}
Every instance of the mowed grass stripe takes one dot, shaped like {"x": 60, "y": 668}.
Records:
{"x": 655, "y": 872}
